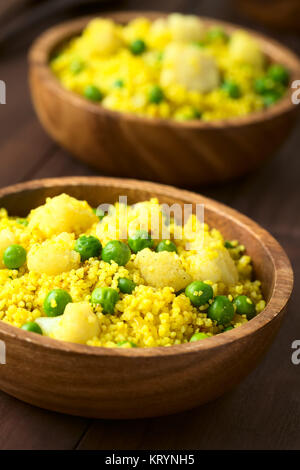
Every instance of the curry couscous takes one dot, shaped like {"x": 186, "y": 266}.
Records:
{"x": 173, "y": 67}
{"x": 112, "y": 278}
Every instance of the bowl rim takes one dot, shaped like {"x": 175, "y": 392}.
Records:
{"x": 41, "y": 48}
{"x": 281, "y": 291}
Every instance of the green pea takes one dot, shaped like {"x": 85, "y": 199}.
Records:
{"x": 107, "y": 297}
{"x": 138, "y": 46}
{"x": 232, "y": 89}
{"x": 221, "y": 310}
{"x": 264, "y": 85}
{"x": 216, "y": 34}
{"x": 271, "y": 98}
{"x": 156, "y": 94}
{"x": 279, "y": 74}
{"x": 228, "y": 244}
{"x": 55, "y": 302}
{"x": 126, "y": 286}
{"x": 198, "y": 337}
{"x": 128, "y": 344}
{"x": 76, "y": 66}
{"x": 228, "y": 328}
{"x": 196, "y": 114}
{"x": 116, "y": 251}
{"x": 199, "y": 293}
{"x": 189, "y": 114}
{"x": 245, "y": 306}
{"x": 166, "y": 245}
{"x": 119, "y": 83}
{"x": 23, "y": 222}
{"x": 14, "y": 256}
{"x": 88, "y": 247}
{"x": 140, "y": 240}
{"x": 92, "y": 93}
{"x": 32, "y": 327}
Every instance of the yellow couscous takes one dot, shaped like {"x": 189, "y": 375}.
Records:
{"x": 173, "y": 67}
{"x": 129, "y": 276}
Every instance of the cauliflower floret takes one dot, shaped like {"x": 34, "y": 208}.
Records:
{"x": 78, "y": 324}
{"x": 7, "y": 238}
{"x": 190, "y": 67}
{"x": 213, "y": 264}
{"x": 244, "y": 49}
{"x": 103, "y": 36}
{"x": 163, "y": 269}
{"x": 48, "y": 324}
{"x": 62, "y": 213}
{"x": 54, "y": 256}
{"x": 185, "y": 27}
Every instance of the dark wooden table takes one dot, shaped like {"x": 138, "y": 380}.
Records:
{"x": 264, "y": 411}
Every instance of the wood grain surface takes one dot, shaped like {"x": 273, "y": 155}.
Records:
{"x": 261, "y": 413}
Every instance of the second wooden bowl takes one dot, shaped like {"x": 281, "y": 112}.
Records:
{"x": 122, "y": 144}
{"x": 134, "y": 383}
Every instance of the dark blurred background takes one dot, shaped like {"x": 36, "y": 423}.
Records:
{"x": 21, "y": 20}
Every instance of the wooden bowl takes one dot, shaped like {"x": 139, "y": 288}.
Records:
{"x": 134, "y": 383}
{"x": 183, "y": 153}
